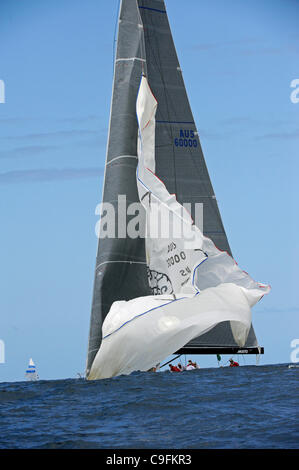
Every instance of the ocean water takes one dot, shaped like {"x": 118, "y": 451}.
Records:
{"x": 245, "y": 407}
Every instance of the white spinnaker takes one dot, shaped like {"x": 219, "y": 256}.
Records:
{"x": 141, "y": 332}
{"x": 203, "y": 286}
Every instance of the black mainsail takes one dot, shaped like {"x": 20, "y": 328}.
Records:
{"x": 145, "y": 44}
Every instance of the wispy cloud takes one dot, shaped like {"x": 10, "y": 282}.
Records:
{"x": 54, "y": 134}
{"x": 205, "y": 134}
{"x": 238, "y": 120}
{"x": 292, "y": 309}
{"x": 80, "y": 119}
{"x": 14, "y": 120}
{"x": 280, "y": 135}
{"x": 263, "y": 51}
{"x": 249, "y": 46}
{"x": 50, "y": 174}
{"x": 28, "y": 151}
{"x": 67, "y": 120}
{"x": 217, "y": 45}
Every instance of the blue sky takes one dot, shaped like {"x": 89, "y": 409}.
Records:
{"x": 56, "y": 60}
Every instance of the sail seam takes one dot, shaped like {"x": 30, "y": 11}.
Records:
{"x": 130, "y": 262}
{"x": 130, "y": 58}
{"x": 141, "y": 314}
{"x": 153, "y": 9}
{"x": 176, "y": 122}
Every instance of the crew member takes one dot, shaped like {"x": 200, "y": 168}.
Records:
{"x": 174, "y": 368}
{"x": 190, "y": 365}
{"x": 233, "y": 363}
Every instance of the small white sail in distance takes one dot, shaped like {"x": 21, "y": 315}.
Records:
{"x": 31, "y": 372}
{"x": 139, "y": 333}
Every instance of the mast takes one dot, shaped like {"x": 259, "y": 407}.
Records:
{"x": 145, "y": 44}
{"x": 121, "y": 272}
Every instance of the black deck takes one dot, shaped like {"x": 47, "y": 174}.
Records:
{"x": 220, "y": 350}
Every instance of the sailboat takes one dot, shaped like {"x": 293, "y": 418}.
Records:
{"x": 179, "y": 291}
{"x": 31, "y": 372}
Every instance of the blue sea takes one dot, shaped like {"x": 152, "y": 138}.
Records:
{"x": 246, "y": 407}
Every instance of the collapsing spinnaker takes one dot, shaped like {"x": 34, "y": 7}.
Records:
{"x": 137, "y": 339}
{"x": 205, "y": 289}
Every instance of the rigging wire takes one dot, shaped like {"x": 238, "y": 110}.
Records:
{"x": 171, "y": 360}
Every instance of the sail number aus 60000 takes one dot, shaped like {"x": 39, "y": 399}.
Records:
{"x": 177, "y": 258}
{"x": 186, "y": 139}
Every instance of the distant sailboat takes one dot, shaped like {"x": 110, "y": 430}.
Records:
{"x": 157, "y": 296}
{"x": 31, "y": 372}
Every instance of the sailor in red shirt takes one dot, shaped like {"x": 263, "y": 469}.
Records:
{"x": 174, "y": 368}
{"x": 233, "y": 363}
